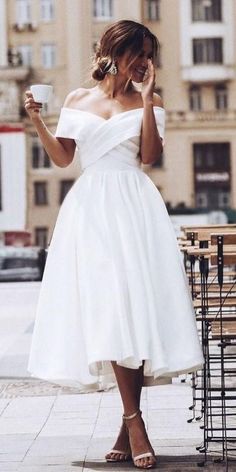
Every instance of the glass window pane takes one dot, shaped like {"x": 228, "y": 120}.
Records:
{"x": 23, "y": 11}
{"x": 206, "y": 10}
{"x": 40, "y": 193}
{"x": 102, "y": 8}
{"x": 207, "y": 50}
{"x": 48, "y": 52}
{"x": 25, "y": 52}
{"x": 47, "y": 10}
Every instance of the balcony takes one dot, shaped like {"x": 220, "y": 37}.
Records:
{"x": 16, "y": 74}
{"x": 208, "y": 73}
{"x": 25, "y": 27}
{"x": 222, "y": 117}
{"x": 15, "y": 70}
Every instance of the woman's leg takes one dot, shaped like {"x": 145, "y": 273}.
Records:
{"x": 130, "y": 385}
{"x": 122, "y": 442}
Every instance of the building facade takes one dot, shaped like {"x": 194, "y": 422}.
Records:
{"x": 54, "y": 42}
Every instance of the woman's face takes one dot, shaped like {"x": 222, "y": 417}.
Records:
{"x": 136, "y": 70}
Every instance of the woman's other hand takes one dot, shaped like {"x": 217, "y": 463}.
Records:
{"x": 33, "y": 108}
{"x": 148, "y": 84}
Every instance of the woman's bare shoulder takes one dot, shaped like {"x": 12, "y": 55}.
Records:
{"x": 157, "y": 101}
{"x": 75, "y": 96}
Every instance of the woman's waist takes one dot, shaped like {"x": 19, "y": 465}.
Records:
{"x": 112, "y": 165}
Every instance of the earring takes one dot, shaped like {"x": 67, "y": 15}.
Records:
{"x": 113, "y": 69}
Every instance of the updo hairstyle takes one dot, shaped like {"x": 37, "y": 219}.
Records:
{"x": 116, "y": 40}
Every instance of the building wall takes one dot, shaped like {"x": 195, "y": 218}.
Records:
{"x": 74, "y": 31}
{"x": 13, "y": 180}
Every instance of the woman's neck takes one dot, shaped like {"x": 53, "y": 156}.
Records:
{"x": 114, "y": 86}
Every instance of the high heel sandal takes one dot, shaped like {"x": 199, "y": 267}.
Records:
{"x": 126, "y": 455}
{"x": 145, "y": 454}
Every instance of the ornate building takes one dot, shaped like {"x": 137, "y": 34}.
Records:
{"x": 52, "y": 41}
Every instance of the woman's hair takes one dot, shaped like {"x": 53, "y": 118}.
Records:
{"x": 120, "y": 37}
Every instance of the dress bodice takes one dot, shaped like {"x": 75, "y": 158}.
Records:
{"x": 102, "y": 143}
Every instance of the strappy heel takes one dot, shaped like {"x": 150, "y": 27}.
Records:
{"x": 145, "y": 454}
{"x": 125, "y": 455}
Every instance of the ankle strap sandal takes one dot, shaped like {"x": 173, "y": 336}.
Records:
{"x": 145, "y": 454}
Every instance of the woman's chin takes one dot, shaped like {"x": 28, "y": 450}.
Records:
{"x": 137, "y": 79}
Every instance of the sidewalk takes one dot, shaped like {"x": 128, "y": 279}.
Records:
{"x": 45, "y": 428}
{"x": 65, "y": 433}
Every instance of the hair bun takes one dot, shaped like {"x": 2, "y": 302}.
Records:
{"x": 98, "y": 73}
{"x": 100, "y": 68}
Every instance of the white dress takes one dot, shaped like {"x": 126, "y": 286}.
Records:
{"x": 114, "y": 286}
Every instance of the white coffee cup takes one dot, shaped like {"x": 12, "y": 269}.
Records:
{"x": 41, "y": 93}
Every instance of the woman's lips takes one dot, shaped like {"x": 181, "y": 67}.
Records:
{"x": 140, "y": 71}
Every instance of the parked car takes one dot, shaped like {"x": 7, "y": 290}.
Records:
{"x": 21, "y": 263}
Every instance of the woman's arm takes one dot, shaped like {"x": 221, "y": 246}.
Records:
{"x": 151, "y": 143}
{"x": 60, "y": 150}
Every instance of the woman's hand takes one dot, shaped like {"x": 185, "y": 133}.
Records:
{"x": 149, "y": 83}
{"x": 33, "y": 108}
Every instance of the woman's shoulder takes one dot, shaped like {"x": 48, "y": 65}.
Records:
{"x": 157, "y": 101}
{"x": 72, "y": 99}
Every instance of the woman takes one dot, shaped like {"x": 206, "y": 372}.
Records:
{"x": 114, "y": 296}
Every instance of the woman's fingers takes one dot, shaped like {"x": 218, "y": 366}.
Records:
{"x": 28, "y": 93}
{"x": 151, "y": 68}
{"x": 30, "y": 100}
{"x": 33, "y": 108}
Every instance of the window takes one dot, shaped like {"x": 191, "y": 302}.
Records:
{"x": 201, "y": 200}
{"x": 152, "y": 10}
{"x": 40, "y": 193}
{"x": 25, "y": 54}
{"x": 48, "y": 55}
{"x": 206, "y": 10}
{"x": 23, "y": 11}
{"x": 212, "y": 175}
{"x": 195, "y": 98}
{"x": 102, "y": 9}
{"x": 64, "y": 188}
{"x": 41, "y": 236}
{"x": 47, "y": 8}
{"x": 40, "y": 158}
{"x": 221, "y": 97}
{"x": 208, "y": 51}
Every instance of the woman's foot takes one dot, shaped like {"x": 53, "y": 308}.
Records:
{"x": 121, "y": 451}
{"x": 142, "y": 452}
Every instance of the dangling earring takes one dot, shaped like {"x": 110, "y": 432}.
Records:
{"x": 113, "y": 69}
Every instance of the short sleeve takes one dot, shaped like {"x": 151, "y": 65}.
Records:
{"x": 69, "y": 124}
{"x": 160, "y": 121}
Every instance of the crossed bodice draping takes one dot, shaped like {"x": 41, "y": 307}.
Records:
{"x": 115, "y": 139}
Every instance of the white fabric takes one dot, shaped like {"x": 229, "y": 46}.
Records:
{"x": 114, "y": 286}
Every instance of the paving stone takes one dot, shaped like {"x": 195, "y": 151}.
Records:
{"x": 48, "y": 468}
{"x": 10, "y": 457}
{"x": 20, "y": 425}
{"x": 170, "y": 402}
{"x": 28, "y": 407}
{"x": 9, "y": 466}
{"x": 15, "y": 443}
